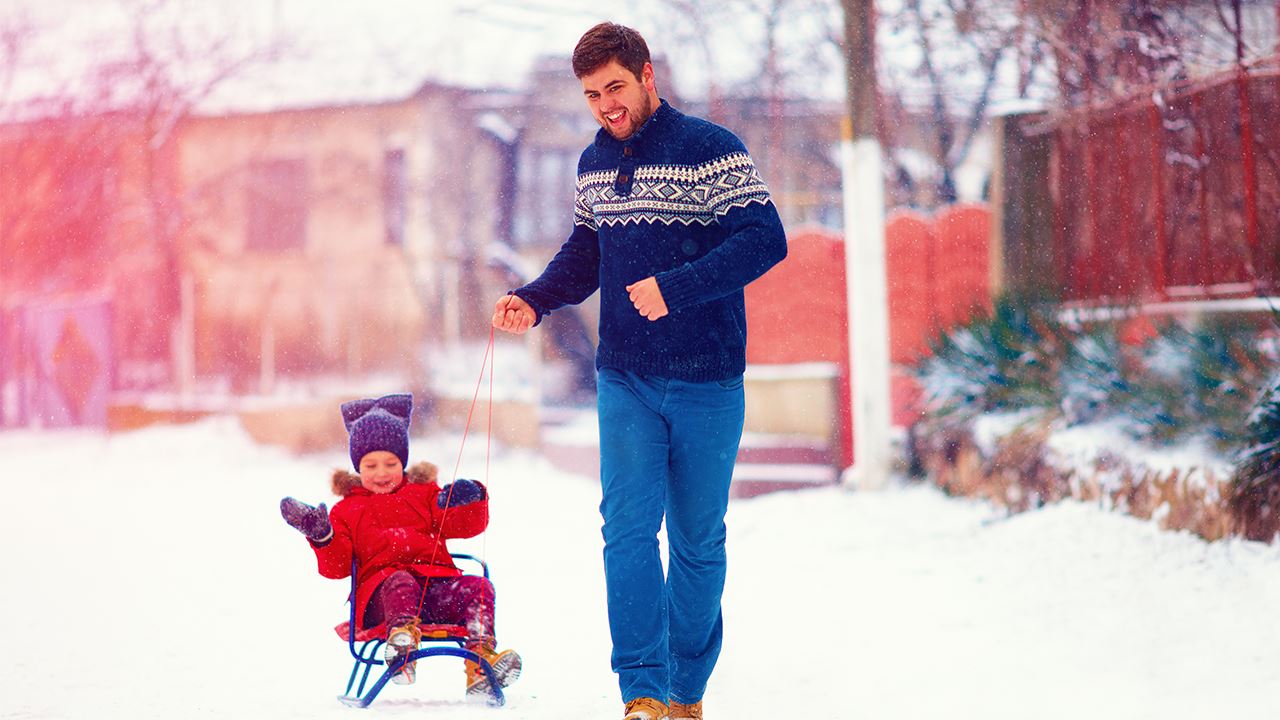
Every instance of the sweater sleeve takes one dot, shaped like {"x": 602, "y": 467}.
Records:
{"x": 571, "y": 276}
{"x": 574, "y": 273}
{"x": 754, "y": 238}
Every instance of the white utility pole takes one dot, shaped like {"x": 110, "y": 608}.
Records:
{"x": 865, "y": 268}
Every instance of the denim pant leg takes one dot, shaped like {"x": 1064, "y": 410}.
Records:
{"x": 634, "y": 442}
{"x": 706, "y": 427}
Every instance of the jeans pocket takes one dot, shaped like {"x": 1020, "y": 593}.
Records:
{"x": 732, "y": 383}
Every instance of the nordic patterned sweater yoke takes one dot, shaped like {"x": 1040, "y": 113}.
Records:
{"x": 679, "y": 200}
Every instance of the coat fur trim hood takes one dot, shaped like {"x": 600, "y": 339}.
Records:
{"x": 344, "y": 481}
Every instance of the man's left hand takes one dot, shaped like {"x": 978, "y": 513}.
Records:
{"x": 647, "y": 298}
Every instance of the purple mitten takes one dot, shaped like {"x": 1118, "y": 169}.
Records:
{"x": 310, "y": 521}
{"x": 461, "y": 492}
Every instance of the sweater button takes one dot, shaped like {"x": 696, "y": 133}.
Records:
{"x": 624, "y": 178}
{"x": 628, "y": 151}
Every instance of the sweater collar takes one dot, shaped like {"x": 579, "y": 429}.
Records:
{"x": 662, "y": 115}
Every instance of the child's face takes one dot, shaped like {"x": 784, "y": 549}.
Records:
{"x": 380, "y": 471}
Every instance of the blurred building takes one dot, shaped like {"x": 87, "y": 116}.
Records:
{"x": 86, "y": 275}
{"x": 335, "y": 238}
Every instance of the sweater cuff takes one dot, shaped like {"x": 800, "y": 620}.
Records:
{"x": 680, "y": 287}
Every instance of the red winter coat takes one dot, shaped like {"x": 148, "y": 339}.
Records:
{"x": 401, "y": 530}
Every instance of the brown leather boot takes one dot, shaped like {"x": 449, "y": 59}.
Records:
{"x": 402, "y": 640}
{"x": 645, "y": 708}
{"x": 506, "y": 668}
{"x": 684, "y": 711}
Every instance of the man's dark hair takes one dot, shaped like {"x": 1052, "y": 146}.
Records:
{"x": 610, "y": 41}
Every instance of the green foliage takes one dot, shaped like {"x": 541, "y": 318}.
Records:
{"x": 1207, "y": 380}
{"x": 1094, "y": 376}
{"x": 1255, "y": 494}
{"x": 1201, "y": 381}
{"x": 1008, "y": 360}
{"x": 1228, "y": 376}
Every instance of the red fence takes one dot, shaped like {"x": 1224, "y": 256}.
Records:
{"x": 937, "y": 274}
{"x": 1172, "y": 195}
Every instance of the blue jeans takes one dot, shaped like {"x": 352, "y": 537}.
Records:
{"x": 666, "y": 446}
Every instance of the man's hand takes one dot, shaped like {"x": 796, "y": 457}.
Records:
{"x": 647, "y": 298}
{"x": 512, "y": 314}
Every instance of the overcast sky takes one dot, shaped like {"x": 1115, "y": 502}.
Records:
{"x": 333, "y": 50}
{"x": 337, "y": 51}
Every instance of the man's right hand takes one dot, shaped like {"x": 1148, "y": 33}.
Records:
{"x": 512, "y": 314}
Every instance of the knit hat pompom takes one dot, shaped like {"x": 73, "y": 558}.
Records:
{"x": 379, "y": 424}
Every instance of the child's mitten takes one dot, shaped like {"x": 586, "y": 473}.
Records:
{"x": 310, "y": 521}
{"x": 461, "y": 492}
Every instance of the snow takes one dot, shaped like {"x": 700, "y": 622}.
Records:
{"x": 150, "y": 576}
{"x": 1080, "y": 446}
{"x": 793, "y": 371}
{"x": 988, "y": 428}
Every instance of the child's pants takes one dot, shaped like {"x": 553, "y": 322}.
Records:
{"x": 667, "y": 447}
{"x": 465, "y": 600}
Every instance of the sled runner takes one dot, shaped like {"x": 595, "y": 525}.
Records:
{"x": 437, "y": 640}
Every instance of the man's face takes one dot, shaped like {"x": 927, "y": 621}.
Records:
{"x": 620, "y": 101}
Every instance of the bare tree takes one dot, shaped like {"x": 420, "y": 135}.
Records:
{"x": 946, "y": 62}
{"x": 99, "y": 201}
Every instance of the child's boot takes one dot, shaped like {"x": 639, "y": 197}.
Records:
{"x": 686, "y": 711}
{"x": 506, "y": 669}
{"x": 645, "y": 708}
{"x": 402, "y": 639}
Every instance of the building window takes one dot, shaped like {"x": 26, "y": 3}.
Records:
{"x": 395, "y": 193}
{"x": 277, "y": 205}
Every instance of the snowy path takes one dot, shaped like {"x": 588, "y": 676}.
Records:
{"x": 162, "y": 556}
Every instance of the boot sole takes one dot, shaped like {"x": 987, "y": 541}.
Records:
{"x": 507, "y": 669}
{"x": 390, "y": 653}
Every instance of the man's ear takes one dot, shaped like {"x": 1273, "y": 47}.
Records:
{"x": 646, "y": 77}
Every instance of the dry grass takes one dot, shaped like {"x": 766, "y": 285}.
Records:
{"x": 1019, "y": 477}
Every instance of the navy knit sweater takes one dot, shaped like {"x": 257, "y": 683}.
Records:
{"x": 679, "y": 200}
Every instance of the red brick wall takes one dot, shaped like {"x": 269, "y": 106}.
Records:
{"x": 911, "y": 248}
{"x": 937, "y": 276}
{"x": 964, "y": 289}
{"x": 797, "y": 313}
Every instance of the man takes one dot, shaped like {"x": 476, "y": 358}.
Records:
{"x": 671, "y": 221}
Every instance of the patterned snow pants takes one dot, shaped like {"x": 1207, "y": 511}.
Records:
{"x": 466, "y": 600}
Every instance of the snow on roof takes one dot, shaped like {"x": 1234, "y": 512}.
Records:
{"x": 246, "y": 56}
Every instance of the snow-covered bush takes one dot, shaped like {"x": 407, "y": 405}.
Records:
{"x": 1007, "y": 361}
{"x": 1180, "y": 384}
{"x": 1094, "y": 378}
{"x": 1255, "y": 494}
{"x": 1179, "y": 388}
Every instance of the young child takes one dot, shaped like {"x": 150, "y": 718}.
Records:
{"x": 395, "y": 524}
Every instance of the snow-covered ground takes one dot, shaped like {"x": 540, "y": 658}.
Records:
{"x": 149, "y": 575}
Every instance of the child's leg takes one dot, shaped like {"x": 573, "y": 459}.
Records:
{"x": 395, "y": 600}
{"x": 466, "y": 600}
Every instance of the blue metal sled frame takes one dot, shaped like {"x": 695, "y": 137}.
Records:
{"x": 367, "y": 655}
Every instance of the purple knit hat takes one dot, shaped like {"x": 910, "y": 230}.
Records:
{"x": 381, "y": 424}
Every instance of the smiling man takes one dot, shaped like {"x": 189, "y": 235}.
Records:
{"x": 671, "y": 221}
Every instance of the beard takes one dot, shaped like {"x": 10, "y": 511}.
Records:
{"x": 637, "y": 119}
